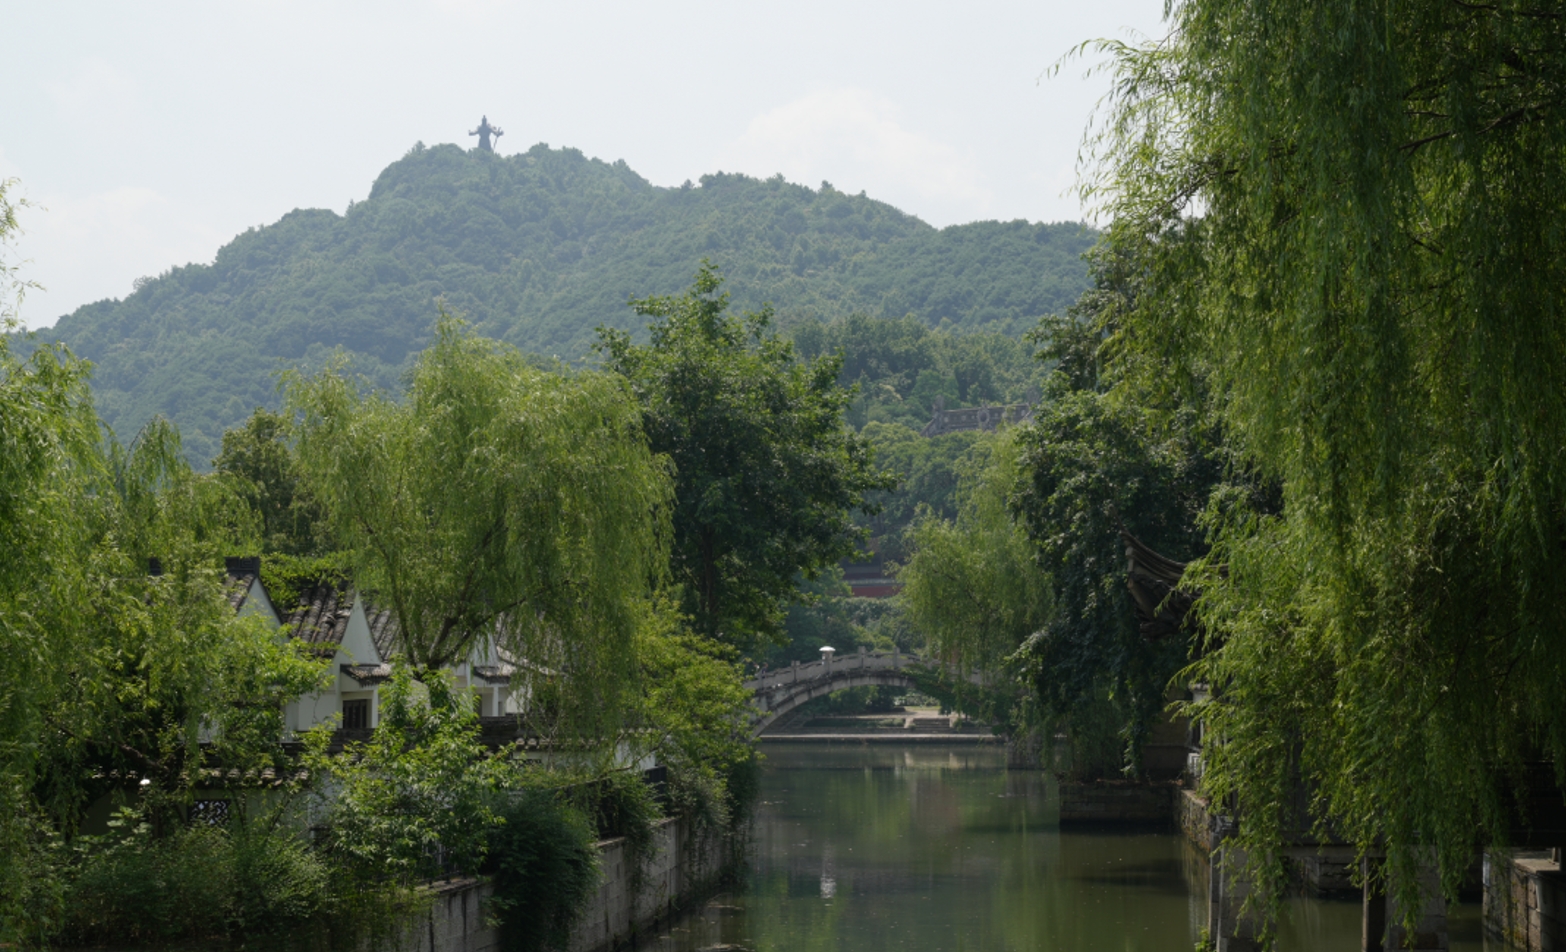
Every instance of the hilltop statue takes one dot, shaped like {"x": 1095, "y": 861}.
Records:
{"x": 484, "y": 131}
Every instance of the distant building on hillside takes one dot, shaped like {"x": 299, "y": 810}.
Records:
{"x": 974, "y": 418}
{"x": 869, "y": 580}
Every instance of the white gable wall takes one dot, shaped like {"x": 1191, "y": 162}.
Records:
{"x": 258, "y": 603}
{"x": 357, "y": 647}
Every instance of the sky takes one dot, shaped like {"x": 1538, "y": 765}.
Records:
{"x": 146, "y": 136}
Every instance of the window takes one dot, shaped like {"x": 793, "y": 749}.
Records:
{"x": 356, "y": 714}
{"x": 209, "y": 813}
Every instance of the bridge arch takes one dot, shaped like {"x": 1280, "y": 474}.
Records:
{"x": 783, "y": 701}
{"x": 776, "y": 693}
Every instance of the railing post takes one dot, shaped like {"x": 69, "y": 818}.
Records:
{"x": 861, "y": 657}
{"x": 897, "y": 658}
{"x": 796, "y": 672}
{"x": 1373, "y": 907}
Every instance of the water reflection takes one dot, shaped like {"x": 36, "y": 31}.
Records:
{"x": 941, "y": 848}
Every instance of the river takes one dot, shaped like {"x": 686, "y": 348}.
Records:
{"x": 923, "y": 848}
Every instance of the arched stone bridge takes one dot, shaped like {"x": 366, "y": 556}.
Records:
{"x": 779, "y": 692}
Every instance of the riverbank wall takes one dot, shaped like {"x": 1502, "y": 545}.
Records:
{"x": 1107, "y": 801}
{"x": 685, "y": 866}
{"x": 1525, "y": 900}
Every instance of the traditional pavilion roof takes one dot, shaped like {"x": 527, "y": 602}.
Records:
{"x": 987, "y": 418}
{"x": 1154, "y": 581}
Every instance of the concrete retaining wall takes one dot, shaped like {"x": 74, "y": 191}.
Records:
{"x": 681, "y": 868}
{"x": 684, "y": 864}
{"x": 1192, "y": 818}
{"x": 455, "y": 922}
{"x": 1115, "y": 802}
{"x": 1525, "y": 900}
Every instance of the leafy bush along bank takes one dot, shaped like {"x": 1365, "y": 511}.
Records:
{"x": 399, "y": 814}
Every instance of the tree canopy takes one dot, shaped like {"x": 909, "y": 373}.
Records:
{"x": 497, "y": 505}
{"x": 973, "y": 584}
{"x": 1352, "y": 219}
{"x": 767, "y": 475}
{"x": 257, "y": 458}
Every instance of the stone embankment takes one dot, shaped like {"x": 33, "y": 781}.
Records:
{"x": 685, "y": 866}
{"x": 1525, "y": 900}
{"x": 1109, "y": 801}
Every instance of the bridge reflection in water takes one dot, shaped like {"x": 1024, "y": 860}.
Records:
{"x": 877, "y": 848}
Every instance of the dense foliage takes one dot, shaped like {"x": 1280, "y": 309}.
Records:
{"x": 536, "y": 249}
{"x": 544, "y": 870}
{"x": 139, "y": 686}
{"x": 1092, "y": 465}
{"x": 973, "y": 587}
{"x": 901, "y": 367}
{"x": 929, "y": 473}
{"x": 1351, "y": 219}
{"x": 497, "y": 506}
{"x": 258, "y": 459}
{"x": 200, "y": 883}
{"x": 766, "y": 474}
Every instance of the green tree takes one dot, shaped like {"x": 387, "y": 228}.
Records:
{"x": 258, "y": 457}
{"x": 49, "y": 456}
{"x": 974, "y": 587}
{"x": 496, "y": 505}
{"x": 1351, "y": 219}
{"x": 767, "y": 476}
{"x": 928, "y": 471}
{"x": 900, "y": 366}
{"x": 166, "y": 681}
{"x": 421, "y": 794}
{"x": 973, "y": 584}
{"x": 1091, "y": 465}
{"x": 694, "y": 712}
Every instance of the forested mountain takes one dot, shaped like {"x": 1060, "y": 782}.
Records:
{"x": 537, "y": 249}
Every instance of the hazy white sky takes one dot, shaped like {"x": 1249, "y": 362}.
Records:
{"x": 149, "y": 135}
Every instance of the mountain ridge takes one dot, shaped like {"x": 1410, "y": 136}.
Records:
{"x": 536, "y": 248}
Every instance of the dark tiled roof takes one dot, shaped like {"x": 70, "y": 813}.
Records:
{"x": 238, "y": 588}
{"x": 321, "y": 617}
{"x": 367, "y": 674}
{"x": 383, "y": 628}
{"x": 242, "y": 572}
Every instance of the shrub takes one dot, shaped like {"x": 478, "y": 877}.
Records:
{"x": 624, "y": 805}
{"x": 544, "y": 867}
{"x": 279, "y": 883}
{"x": 129, "y": 888}
{"x": 133, "y": 889}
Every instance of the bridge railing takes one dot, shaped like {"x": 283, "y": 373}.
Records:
{"x": 802, "y": 672}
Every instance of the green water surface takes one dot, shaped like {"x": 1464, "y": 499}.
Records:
{"x": 874, "y": 848}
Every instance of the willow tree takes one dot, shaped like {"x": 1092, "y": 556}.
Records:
{"x": 973, "y": 584}
{"x": 495, "y": 505}
{"x": 1353, "y": 220}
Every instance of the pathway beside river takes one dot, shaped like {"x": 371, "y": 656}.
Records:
{"x": 928, "y": 848}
